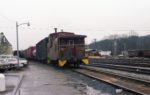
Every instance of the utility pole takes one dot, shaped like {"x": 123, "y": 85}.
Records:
{"x": 124, "y": 50}
{"x": 115, "y": 47}
{"x": 17, "y": 42}
{"x": 17, "y": 38}
{"x": 95, "y": 43}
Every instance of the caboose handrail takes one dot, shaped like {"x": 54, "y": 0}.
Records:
{"x": 73, "y": 45}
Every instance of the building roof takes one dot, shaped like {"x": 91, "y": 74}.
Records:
{"x": 3, "y": 40}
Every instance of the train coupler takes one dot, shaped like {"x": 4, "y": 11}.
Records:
{"x": 61, "y": 63}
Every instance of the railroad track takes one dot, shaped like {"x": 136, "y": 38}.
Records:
{"x": 136, "y": 85}
{"x": 145, "y": 62}
{"x": 136, "y": 69}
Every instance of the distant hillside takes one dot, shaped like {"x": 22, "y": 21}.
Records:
{"x": 120, "y": 44}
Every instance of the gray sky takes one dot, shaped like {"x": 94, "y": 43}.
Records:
{"x": 94, "y": 18}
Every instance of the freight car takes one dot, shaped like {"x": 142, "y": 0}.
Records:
{"x": 29, "y": 53}
{"x": 139, "y": 53}
{"x": 66, "y": 48}
{"x": 41, "y": 50}
{"x": 21, "y": 53}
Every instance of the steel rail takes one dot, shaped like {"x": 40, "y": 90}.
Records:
{"x": 135, "y": 69}
{"x": 116, "y": 81}
{"x": 125, "y": 61}
{"x": 98, "y": 69}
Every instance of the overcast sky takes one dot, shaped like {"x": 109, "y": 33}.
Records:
{"x": 94, "y": 18}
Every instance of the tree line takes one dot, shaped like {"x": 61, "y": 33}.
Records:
{"x": 118, "y": 43}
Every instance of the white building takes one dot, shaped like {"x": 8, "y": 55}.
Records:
{"x": 105, "y": 53}
{"x": 5, "y": 46}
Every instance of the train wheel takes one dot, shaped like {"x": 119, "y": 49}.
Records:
{"x": 76, "y": 64}
{"x": 2, "y": 70}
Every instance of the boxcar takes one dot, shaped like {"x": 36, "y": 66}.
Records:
{"x": 21, "y": 53}
{"x": 41, "y": 50}
{"x": 139, "y": 53}
{"x": 29, "y": 52}
{"x": 146, "y": 53}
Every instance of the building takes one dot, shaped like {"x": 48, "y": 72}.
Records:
{"x": 5, "y": 46}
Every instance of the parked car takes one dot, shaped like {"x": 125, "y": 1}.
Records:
{"x": 13, "y": 60}
{"x": 10, "y": 59}
{"x": 23, "y": 61}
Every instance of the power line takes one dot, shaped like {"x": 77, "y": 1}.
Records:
{"x": 6, "y": 18}
{"x": 133, "y": 30}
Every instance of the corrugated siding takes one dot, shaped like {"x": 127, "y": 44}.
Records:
{"x": 41, "y": 49}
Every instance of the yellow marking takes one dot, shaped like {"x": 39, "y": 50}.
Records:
{"x": 94, "y": 57}
{"x": 61, "y": 63}
{"x": 48, "y": 61}
{"x": 85, "y": 61}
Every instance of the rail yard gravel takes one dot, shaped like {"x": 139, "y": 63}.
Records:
{"x": 42, "y": 79}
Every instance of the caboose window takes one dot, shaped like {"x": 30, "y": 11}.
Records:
{"x": 71, "y": 42}
{"x": 62, "y": 42}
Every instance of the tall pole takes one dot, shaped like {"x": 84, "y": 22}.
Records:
{"x": 115, "y": 47}
{"x": 17, "y": 43}
{"x": 95, "y": 44}
{"x": 17, "y": 25}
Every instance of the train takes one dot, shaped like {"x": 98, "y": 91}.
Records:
{"x": 59, "y": 48}
{"x": 139, "y": 53}
{"x": 28, "y": 53}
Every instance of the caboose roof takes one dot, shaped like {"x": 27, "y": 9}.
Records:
{"x": 61, "y": 34}
{"x": 73, "y": 36}
{"x": 67, "y": 35}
